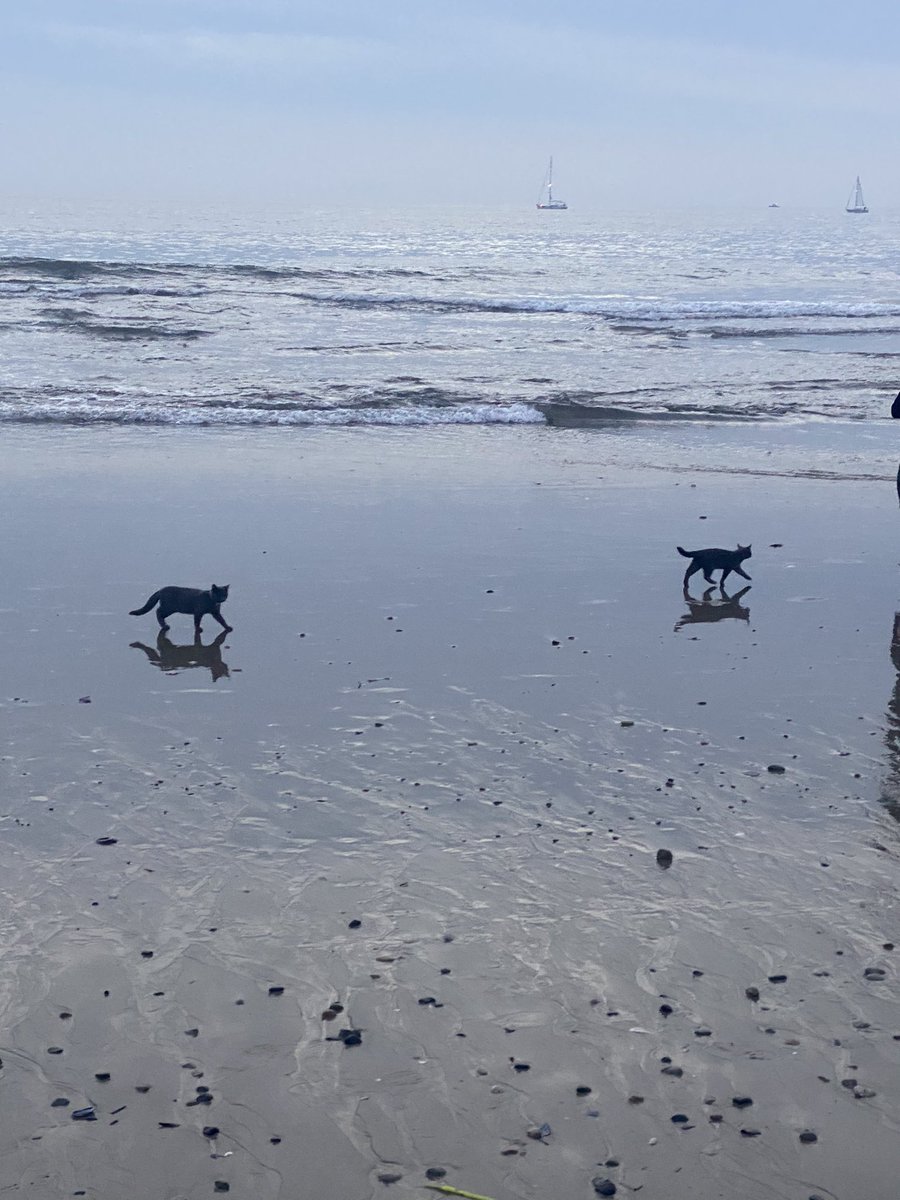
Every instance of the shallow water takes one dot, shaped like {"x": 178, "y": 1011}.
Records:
{"x": 437, "y": 317}
{"x": 400, "y": 740}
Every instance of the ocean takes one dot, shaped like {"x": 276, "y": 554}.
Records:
{"x": 613, "y": 321}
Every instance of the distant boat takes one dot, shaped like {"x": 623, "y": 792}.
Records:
{"x": 856, "y": 204}
{"x": 774, "y": 205}
{"x": 547, "y": 190}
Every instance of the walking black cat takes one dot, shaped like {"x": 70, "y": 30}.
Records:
{"x": 713, "y": 559}
{"x": 193, "y": 601}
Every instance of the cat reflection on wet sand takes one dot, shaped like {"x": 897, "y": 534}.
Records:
{"x": 170, "y": 657}
{"x": 712, "y": 607}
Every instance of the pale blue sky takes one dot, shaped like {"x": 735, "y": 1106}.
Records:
{"x": 642, "y": 102}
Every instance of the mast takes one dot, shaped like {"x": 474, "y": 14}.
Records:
{"x": 550, "y": 181}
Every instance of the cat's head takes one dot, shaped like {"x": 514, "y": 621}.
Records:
{"x": 744, "y": 551}
{"x": 219, "y": 593}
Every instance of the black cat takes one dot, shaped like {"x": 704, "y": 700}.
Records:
{"x": 194, "y": 601}
{"x": 712, "y": 560}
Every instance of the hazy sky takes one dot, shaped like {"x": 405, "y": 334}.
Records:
{"x": 641, "y": 102}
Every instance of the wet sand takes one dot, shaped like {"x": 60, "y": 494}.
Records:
{"x": 419, "y": 792}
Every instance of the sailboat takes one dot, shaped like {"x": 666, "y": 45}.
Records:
{"x": 856, "y": 204}
{"x": 548, "y": 188}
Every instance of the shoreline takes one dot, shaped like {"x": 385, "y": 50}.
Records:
{"x": 466, "y": 703}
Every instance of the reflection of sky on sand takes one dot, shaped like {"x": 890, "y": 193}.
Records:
{"x": 439, "y": 732}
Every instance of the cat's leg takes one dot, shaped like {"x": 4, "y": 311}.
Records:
{"x": 707, "y": 575}
{"x": 741, "y": 572}
{"x": 726, "y": 571}
{"x": 198, "y": 617}
{"x": 217, "y": 616}
{"x": 692, "y": 570}
{"x": 161, "y": 614}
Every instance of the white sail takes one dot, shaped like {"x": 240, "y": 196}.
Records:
{"x": 856, "y": 203}
{"x": 547, "y": 189}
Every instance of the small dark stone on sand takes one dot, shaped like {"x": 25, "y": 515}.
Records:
{"x": 102, "y": 1076}
{"x": 715, "y": 1118}
{"x": 538, "y": 1132}
{"x": 350, "y": 1037}
{"x": 84, "y": 1114}
{"x": 679, "y": 1119}
{"x": 275, "y": 1141}
{"x": 60, "y": 1102}
{"x": 752, "y": 993}
{"x": 582, "y": 1090}
{"x": 666, "y": 1010}
{"x": 221, "y": 1186}
{"x": 146, "y": 954}
{"x": 106, "y": 841}
{"x": 521, "y": 1066}
{"x": 702, "y": 1033}
{"x": 210, "y": 1131}
{"x": 354, "y": 924}
{"x": 143, "y": 1088}
{"x": 192, "y": 1032}
{"x": 676, "y": 1072}
{"x": 603, "y": 1186}
{"x": 54, "y": 1049}
{"x": 750, "y": 1132}
{"x": 778, "y": 979}
{"x": 742, "y": 1101}
{"x": 664, "y": 858}
{"x": 425, "y": 1001}
{"x": 389, "y": 1177}
{"x": 276, "y": 991}
{"x": 435, "y": 1173}
{"x": 874, "y": 973}
{"x": 635, "y": 1099}
{"x": 808, "y": 1136}
{"x": 775, "y": 769}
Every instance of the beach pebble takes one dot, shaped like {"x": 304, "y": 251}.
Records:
{"x": 60, "y": 1102}
{"x": 676, "y": 1072}
{"x": 874, "y": 973}
{"x": 389, "y": 1177}
{"x": 210, "y": 1131}
{"x": 582, "y": 1090}
{"x": 276, "y": 990}
{"x": 84, "y": 1114}
{"x": 775, "y": 769}
{"x": 664, "y": 858}
{"x": 354, "y": 924}
{"x": 666, "y": 1010}
{"x": 84, "y": 699}
{"x": 102, "y": 1076}
{"x": 807, "y": 1136}
{"x": 750, "y": 1132}
{"x": 603, "y": 1186}
{"x": 635, "y": 1099}
{"x": 106, "y": 841}
{"x": 221, "y": 1186}
{"x": 435, "y": 1173}
{"x": 350, "y": 1037}
{"x": 679, "y": 1119}
{"x": 742, "y": 1101}
{"x": 778, "y": 979}
{"x": 521, "y": 1066}
{"x": 752, "y": 993}
{"x": 864, "y": 1093}
{"x": 538, "y": 1132}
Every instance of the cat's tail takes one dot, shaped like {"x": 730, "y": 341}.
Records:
{"x": 139, "y": 612}
{"x": 683, "y": 553}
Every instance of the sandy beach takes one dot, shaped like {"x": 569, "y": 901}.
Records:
{"x": 366, "y": 894}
